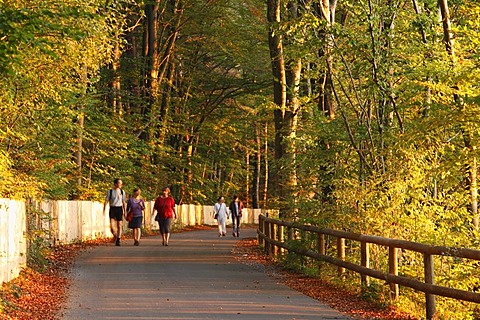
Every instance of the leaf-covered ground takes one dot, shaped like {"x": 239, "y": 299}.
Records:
{"x": 40, "y": 295}
{"x": 248, "y": 252}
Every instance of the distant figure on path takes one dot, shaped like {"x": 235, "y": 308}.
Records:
{"x": 136, "y": 205}
{"x": 116, "y": 198}
{"x": 165, "y": 207}
{"x": 220, "y": 210}
{"x": 236, "y": 207}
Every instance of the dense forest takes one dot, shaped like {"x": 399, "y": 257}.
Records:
{"x": 355, "y": 115}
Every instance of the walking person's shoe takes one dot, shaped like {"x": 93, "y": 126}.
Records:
{"x": 224, "y": 234}
{"x": 234, "y": 234}
{"x": 219, "y": 235}
{"x": 136, "y": 243}
{"x": 117, "y": 243}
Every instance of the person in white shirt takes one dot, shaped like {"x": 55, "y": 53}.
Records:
{"x": 116, "y": 198}
{"x": 221, "y": 215}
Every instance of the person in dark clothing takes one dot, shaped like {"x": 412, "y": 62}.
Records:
{"x": 236, "y": 207}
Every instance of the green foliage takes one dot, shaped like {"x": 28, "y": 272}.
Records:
{"x": 38, "y": 235}
{"x": 376, "y": 293}
{"x": 394, "y": 160}
{"x": 37, "y": 254}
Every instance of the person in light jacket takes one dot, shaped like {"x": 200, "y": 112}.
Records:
{"x": 236, "y": 207}
{"x": 220, "y": 210}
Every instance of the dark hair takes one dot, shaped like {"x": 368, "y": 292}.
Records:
{"x": 219, "y": 198}
{"x": 235, "y": 197}
{"x": 135, "y": 190}
{"x": 117, "y": 180}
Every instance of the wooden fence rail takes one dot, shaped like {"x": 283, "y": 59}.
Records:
{"x": 271, "y": 236}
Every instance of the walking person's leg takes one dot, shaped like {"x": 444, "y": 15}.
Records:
{"x": 234, "y": 233}
{"x": 167, "y": 237}
{"x": 135, "y": 224}
{"x": 238, "y": 218}
{"x": 224, "y": 227}
{"x": 168, "y": 223}
{"x": 161, "y": 228}
{"x": 113, "y": 214}
{"x": 139, "y": 234}
{"x": 135, "y": 236}
{"x": 119, "y": 231}
{"x": 113, "y": 224}
{"x": 219, "y": 227}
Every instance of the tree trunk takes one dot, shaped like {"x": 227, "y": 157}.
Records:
{"x": 286, "y": 90}
{"x": 326, "y": 9}
{"x": 471, "y": 168}
{"x": 79, "y": 151}
{"x": 265, "y": 157}
{"x": 258, "y": 168}
{"x": 80, "y": 128}
{"x": 447, "y": 30}
{"x": 279, "y": 84}
{"x": 151, "y": 14}
{"x": 116, "y": 82}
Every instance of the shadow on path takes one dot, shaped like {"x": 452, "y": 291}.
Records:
{"x": 196, "y": 277}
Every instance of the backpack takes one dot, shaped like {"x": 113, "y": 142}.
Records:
{"x": 110, "y": 194}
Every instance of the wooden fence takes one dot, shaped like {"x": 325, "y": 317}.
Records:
{"x": 272, "y": 234}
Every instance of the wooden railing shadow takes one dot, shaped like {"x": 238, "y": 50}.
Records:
{"x": 274, "y": 234}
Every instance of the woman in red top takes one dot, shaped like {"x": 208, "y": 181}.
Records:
{"x": 165, "y": 207}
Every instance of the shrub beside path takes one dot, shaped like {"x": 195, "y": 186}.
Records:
{"x": 196, "y": 277}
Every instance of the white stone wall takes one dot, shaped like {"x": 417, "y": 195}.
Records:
{"x": 13, "y": 244}
{"x": 79, "y": 220}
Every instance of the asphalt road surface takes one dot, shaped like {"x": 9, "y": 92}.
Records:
{"x": 195, "y": 277}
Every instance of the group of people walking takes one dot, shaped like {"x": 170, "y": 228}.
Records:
{"x": 222, "y": 214}
{"x": 133, "y": 211}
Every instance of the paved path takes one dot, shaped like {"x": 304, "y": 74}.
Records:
{"x": 196, "y": 277}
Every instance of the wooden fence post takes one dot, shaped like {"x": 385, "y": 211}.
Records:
{"x": 267, "y": 237}
{"x": 429, "y": 278}
{"x": 320, "y": 247}
{"x": 261, "y": 229}
{"x": 272, "y": 236}
{"x": 275, "y": 236}
{"x": 289, "y": 234}
{"x": 365, "y": 261}
{"x": 281, "y": 237}
{"x": 393, "y": 269}
{"x": 341, "y": 254}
